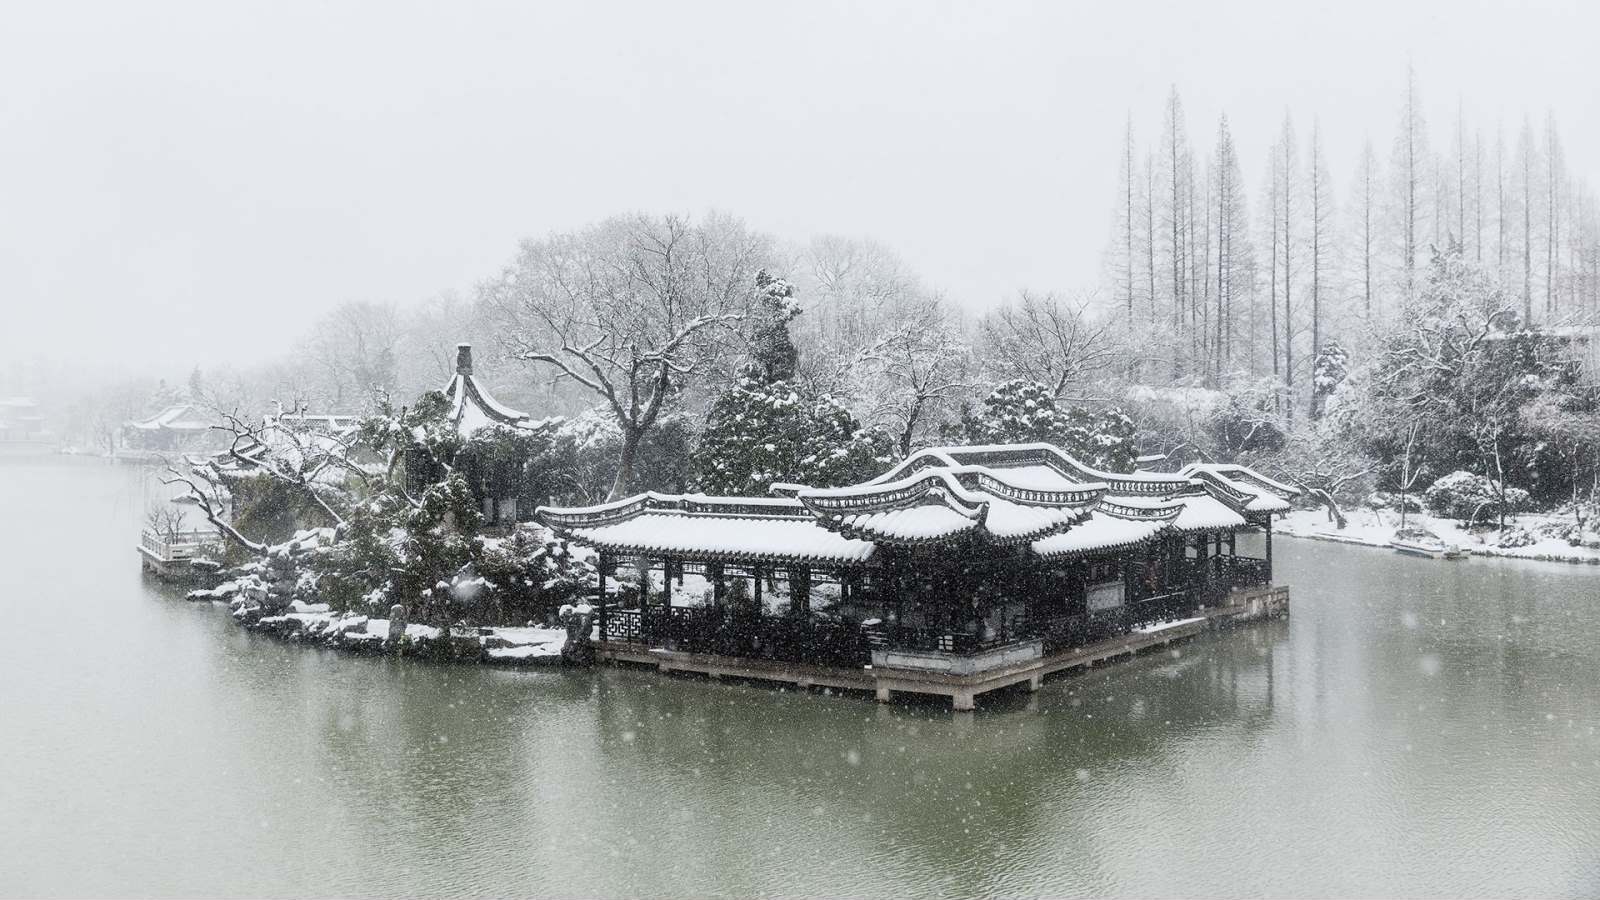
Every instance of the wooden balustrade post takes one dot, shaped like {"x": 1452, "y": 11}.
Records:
{"x": 601, "y": 595}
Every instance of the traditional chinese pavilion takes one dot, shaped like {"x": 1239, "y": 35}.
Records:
{"x": 184, "y": 427}
{"x": 473, "y": 408}
{"x": 960, "y": 570}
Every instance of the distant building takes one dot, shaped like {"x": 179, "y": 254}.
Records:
{"x": 183, "y": 427}
{"x": 21, "y": 421}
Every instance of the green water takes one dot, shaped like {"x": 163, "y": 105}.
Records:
{"x": 1415, "y": 728}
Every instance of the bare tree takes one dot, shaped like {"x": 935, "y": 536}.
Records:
{"x": 1409, "y": 474}
{"x": 210, "y": 497}
{"x": 1287, "y": 194}
{"x": 922, "y": 364}
{"x": 164, "y": 520}
{"x": 1177, "y": 178}
{"x": 1325, "y": 466}
{"x": 1527, "y": 163}
{"x": 1043, "y": 338}
{"x": 1126, "y": 221}
{"x": 1553, "y": 162}
{"x": 1234, "y": 270}
{"x": 310, "y": 463}
{"x": 355, "y": 348}
{"x": 854, "y": 291}
{"x": 1410, "y": 161}
{"x": 1321, "y": 198}
{"x": 1364, "y": 195}
{"x": 636, "y": 310}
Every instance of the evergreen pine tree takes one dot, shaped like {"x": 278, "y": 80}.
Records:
{"x": 1025, "y": 412}
{"x": 764, "y": 430}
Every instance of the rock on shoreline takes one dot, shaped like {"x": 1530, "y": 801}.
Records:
{"x": 265, "y": 596}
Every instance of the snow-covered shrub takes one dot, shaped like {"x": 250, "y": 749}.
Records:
{"x": 1392, "y": 501}
{"x": 1246, "y": 420}
{"x": 1021, "y": 412}
{"x": 1516, "y": 537}
{"x": 533, "y": 573}
{"x": 1465, "y": 495}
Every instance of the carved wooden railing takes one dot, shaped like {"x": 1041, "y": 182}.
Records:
{"x": 727, "y": 631}
{"x": 176, "y": 545}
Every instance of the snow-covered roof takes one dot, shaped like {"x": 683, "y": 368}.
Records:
{"x": 1263, "y": 494}
{"x": 753, "y": 529}
{"x": 177, "y": 417}
{"x": 325, "y": 423}
{"x": 1008, "y": 495}
{"x": 1040, "y": 464}
{"x": 727, "y": 537}
{"x": 1100, "y": 533}
{"x": 472, "y": 406}
{"x": 941, "y": 502}
{"x": 1196, "y": 511}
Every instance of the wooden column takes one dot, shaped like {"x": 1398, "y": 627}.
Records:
{"x": 602, "y": 598}
{"x": 800, "y": 590}
{"x": 1269, "y": 549}
{"x": 714, "y": 572}
{"x": 757, "y": 574}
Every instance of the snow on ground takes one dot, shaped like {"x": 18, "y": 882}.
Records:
{"x": 531, "y": 635}
{"x": 1374, "y": 528}
{"x": 526, "y": 651}
{"x": 1154, "y": 627}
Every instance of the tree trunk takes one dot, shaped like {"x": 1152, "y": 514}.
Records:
{"x": 1335, "y": 514}
{"x": 622, "y": 486}
{"x": 912, "y": 418}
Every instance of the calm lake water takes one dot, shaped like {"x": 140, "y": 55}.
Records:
{"x": 1415, "y": 728}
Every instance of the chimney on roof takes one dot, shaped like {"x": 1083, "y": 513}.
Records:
{"x": 463, "y": 359}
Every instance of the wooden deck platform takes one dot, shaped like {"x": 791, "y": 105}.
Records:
{"x": 962, "y": 689}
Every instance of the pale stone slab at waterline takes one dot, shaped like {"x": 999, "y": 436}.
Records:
{"x": 317, "y": 623}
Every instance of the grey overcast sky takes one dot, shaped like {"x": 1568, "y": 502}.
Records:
{"x": 170, "y": 172}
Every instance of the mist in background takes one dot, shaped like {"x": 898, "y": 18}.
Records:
{"x": 194, "y": 184}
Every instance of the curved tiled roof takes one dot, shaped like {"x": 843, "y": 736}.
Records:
{"x": 1197, "y": 511}
{"x": 472, "y": 406}
{"x": 942, "y": 502}
{"x": 1100, "y": 533}
{"x": 1032, "y": 494}
{"x": 1260, "y": 493}
{"x": 730, "y": 538}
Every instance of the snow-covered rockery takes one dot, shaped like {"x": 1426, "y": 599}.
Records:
{"x": 278, "y": 593}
